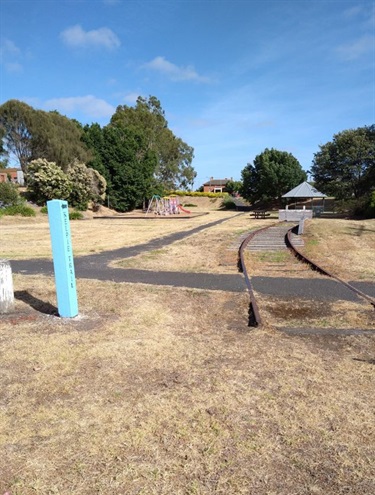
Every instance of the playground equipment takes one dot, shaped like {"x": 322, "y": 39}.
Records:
{"x": 167, "y": 205}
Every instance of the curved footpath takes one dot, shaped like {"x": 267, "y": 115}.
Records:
{"x": 95, "y": 266}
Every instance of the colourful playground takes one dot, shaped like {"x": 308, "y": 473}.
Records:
{"x": 167, "y": 205}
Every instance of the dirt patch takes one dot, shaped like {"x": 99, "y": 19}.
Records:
{"x": 316, "y": 314}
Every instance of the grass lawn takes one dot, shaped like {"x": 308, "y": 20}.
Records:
{"x": 167, "y": 391}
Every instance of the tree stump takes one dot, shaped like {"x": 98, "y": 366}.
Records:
{"x": 6, "y": 287}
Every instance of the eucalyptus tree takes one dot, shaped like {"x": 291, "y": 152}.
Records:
{"x": 174, "y": 157}
{"x": 29, "y": 134}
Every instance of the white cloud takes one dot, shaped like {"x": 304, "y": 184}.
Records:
{"x": 131, "y": 97}
{"x": 8, "y": 48}
{"x": 75, "y": 36}
{"x": 354, "y": 50}
{"x": 9, "y": 53}
{"x": 88, "y": 105}
{"x": 175, "y": 73}
{"x": 353, "y": 11}
{"x": 13, "y": 67}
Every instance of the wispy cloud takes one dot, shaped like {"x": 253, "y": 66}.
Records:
{"x": 174, "y": 72}
{"x": 9, "y": 53}
{"x": 88, "y": 105}
{"x": 77, "y": 37}
{"x": 131, "y": 98}
{"x": 357, "y": 48}
{"x": 353, "y": 11}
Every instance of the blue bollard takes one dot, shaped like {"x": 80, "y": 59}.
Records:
{"x": 62, "y": 252}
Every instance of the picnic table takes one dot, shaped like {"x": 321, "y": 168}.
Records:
{"x": 259, "y": 214}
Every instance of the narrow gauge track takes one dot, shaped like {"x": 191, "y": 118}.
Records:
{"x": 254, "y": 315}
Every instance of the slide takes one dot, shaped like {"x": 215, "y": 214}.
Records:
{"x": 183, "y": 209}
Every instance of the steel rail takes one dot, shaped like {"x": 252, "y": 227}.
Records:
{"x": 318, "y": 268}
{"x": 254, "y": 315}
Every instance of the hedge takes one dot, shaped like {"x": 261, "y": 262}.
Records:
{"x": 197, "y": 194}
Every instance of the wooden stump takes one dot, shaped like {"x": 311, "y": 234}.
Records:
{"x": 6, "y": 287}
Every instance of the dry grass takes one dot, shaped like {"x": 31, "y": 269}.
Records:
{"x": 344, "y": 247}
{"x": 306, "y": 313}
{"x": 213, "y": 250}
{"x": 164, "y": 401}
{"x": 161, "y": 391}
{"x": 24, "y": 238}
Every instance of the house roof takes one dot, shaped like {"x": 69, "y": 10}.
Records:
{"x": 9, "y": 170}
{"x": 304, "y": 190}
{"x": 216, "y": 182}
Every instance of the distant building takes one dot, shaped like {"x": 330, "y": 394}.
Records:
{"x": 12, "y": 175}
{"x": 215, "y": 185}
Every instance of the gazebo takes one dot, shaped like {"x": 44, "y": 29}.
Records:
{"x": 302, "y": 191}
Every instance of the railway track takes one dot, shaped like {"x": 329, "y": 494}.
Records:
{"x": 278, "y": 237}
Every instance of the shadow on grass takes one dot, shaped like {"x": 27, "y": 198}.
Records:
{"x": 35, "y": 303}
{"x": 369, "y": 361}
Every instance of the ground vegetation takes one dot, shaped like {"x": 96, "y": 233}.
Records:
{"x": 137, "y": 395}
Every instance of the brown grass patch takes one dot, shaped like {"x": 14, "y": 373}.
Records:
{"x": 156, "y": 390}
{"x": 163, "y": 401}
{"x": 344, "y": 247}
{"x": 213, "y": 250}
{"x": 316, "y": 314}
{"x": 24, "y": 238}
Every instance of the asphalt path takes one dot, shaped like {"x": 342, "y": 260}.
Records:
{"x": 95, "y": 266}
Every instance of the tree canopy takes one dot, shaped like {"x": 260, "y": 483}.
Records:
{"x": 345, "y": 166}
{"x": 136, "y": 153}
{"x": 271, "y": 175}
{"x": 31, "y": 134}
{"x": 173, "y": 168}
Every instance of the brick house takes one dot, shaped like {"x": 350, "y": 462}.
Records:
{"x": 10, "y": 173}
{"x": 215, "y": 185}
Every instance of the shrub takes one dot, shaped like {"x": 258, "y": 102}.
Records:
{"x": 98, "y": 187}
{"x": 228, "y": 203}
{"x": 46, "y": 181}
{"x": 75, "y": 215}
{"x": 44, "y": 209}
{"x": 9, "y": 194}
{"x": 198, "y": 194}
{"x": 370, "y": 208}
{"x": 81, "y": 180}
{"x": 20, "y": 209}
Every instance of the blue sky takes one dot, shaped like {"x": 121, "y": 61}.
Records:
{"x": 233, "y": 76}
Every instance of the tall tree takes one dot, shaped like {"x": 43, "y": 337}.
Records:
{"x": 93, "y": 137}
{"x": 16, "y": 128}
{"x": 345, "y": 166}
{"x": 62, "y": 139}
{"x": 30, "y": 134}
{"x": 129, "y": 167}
{"x": 174, "y": 157}
{"x": 272, "y": 174}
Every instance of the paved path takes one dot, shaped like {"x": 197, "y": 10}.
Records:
{"x": 96, "y": 267}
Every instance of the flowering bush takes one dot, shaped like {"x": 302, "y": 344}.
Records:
{"x": 46, "y": 181}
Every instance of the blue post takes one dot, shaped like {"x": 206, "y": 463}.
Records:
{"x": 65, "y": 281}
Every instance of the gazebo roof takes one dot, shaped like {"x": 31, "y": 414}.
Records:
{"x": 304, "y": 190}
